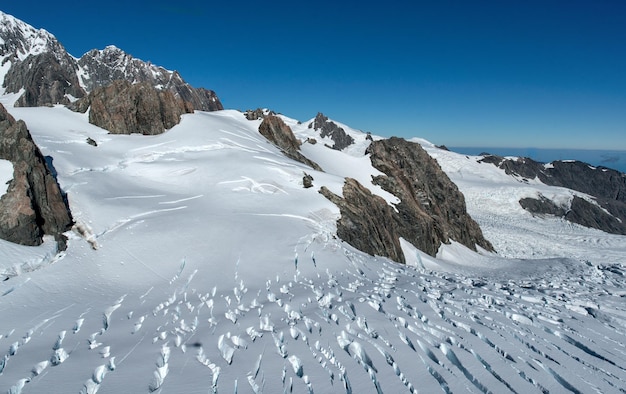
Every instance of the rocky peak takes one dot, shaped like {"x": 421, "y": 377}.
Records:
{"x": 38, "y": 63}
{"x": 18, "y": 40}
{"x": 101, "y": 67}
{"x": 431, "y": 211}
{"x": 41, "y": 66}
{"x": 33, "y": 204}
{"x": 278, "y": 133}
{"x": 328, "y": 128}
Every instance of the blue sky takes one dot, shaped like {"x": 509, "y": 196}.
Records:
{"x": 548, "y": 74}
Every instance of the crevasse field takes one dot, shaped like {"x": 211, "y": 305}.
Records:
{"x": 200, "y": 264}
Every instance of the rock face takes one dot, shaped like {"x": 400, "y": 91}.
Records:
{"x": 46, "y": 81}
{"x": 367, "y": 222}
{"x": 125, "y": 108}
{"x": 330, "y": 129}
{"x": 431, "y": 210}
{"x": 34, "y": 204}
{"x": 278, "y": 133}
{"x": 37, "y": 63}
{"x": 607, "y": 186}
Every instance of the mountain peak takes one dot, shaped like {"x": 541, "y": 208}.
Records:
{"x": 20, "y": 39}
{"x": 36, "y": 62}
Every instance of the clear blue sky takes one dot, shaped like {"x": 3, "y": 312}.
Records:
{"x": 461, "y": 73}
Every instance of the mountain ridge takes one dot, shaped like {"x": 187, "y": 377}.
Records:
{"x": 34, "y": 60}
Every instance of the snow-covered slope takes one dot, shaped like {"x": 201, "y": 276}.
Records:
{"x": 200, "y": 264}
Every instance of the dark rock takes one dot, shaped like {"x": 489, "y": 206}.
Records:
{"x": 369, "y": 136}
{"x": 443, "y": 147}
{"x": 307, "y": 181}
{"x": 330, "y": 129}
{"x": 278, "y": 133}
{"x": 607, "y": 186}
{"x": 311, "y": 141}
{"x": 258, "y": 113}
{"x": 431, "y": 209}
{"x": 588, "y": 214}
{"x": 34, "y": 204}
{"x": 424, "y": 189}
{"x": 91, "y": 141}
{"x": 40, "y": 65}
{"x": 125, "y": 108}
{"x": 37, "y": 63}
{"x": 44, "y": 79}
{"x": 542, "y": 206}
{"x": 367, "y": 222}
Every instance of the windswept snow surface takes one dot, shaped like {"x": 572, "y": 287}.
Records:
{"x": 203, "y": 265}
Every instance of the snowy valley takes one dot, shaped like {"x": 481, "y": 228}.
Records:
{"x": 198, "y": 262}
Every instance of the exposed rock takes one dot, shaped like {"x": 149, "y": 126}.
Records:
{"x": 91, "y": 141}
{"x": 542, "y": 206}
{"x": 607, "y": 186}
{"x": 307, "y": 181}
{"x": 330, "y": 129}
{"x": 33, "y": 204}
{"x": 311, "y": 141}
{"x": 37, "y": 63}
{"x": 590, "y": 215}
{"x": 278, "y": 133}
{"x": 431, "y": 209}
{"x": 367, "y": 222}
{"x": 423, "y": 188}
{"x": 258, "y": 113}
{"x": 125, "y": 108}
{"x": 44, "y": 79}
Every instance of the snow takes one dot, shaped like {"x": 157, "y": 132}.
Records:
{"x": 6, "y": 175}
{"x": 203, "y": 265}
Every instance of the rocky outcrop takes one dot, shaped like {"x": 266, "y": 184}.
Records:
{"x": 33, "y": 204}
{"x": 330, "y": 129}
{"x": 431, "y": 210}
{"x": 259, "y": 113}
{"x": 278, "y": 133}
{"x": 45, "y": 81}
{"x": 367, "y": 222}
{"x": 126, "y": 108}
{"x": 607, "y": 186}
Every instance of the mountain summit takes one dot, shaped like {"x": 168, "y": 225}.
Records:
{"x": 38, "y": 69}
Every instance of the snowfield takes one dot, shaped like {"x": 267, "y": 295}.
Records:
{"x": 199, "y": 263}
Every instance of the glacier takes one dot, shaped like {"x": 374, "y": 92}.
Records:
{"x": 199, "y": 263}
